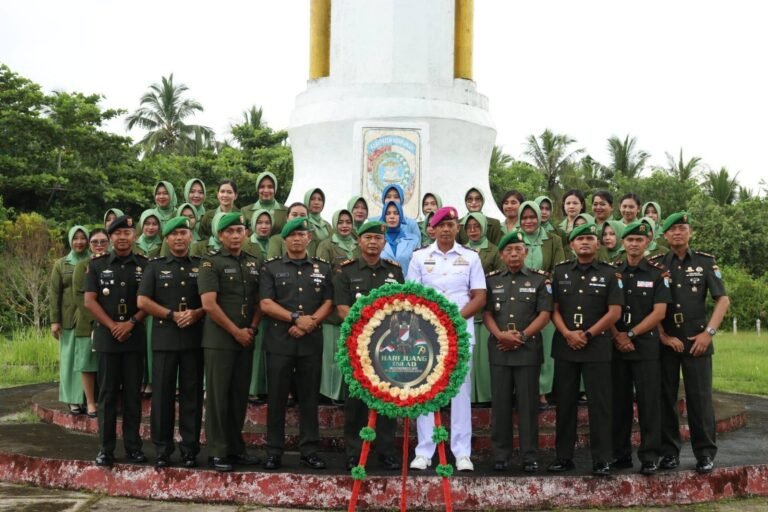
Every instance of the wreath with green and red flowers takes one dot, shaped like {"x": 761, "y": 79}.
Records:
{"x": 451, "y": 356}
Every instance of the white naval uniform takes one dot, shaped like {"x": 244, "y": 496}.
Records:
{"x": 453, "y": 274}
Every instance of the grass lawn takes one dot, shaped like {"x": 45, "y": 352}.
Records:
{"x": 28, "y": 356}
{"x": 740, "y": 363}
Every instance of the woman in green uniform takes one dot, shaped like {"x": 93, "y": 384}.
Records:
{"x": 111, "y": 215}
{"x": 148, "y": 244}
{"x": 545, "y": 250}
{"x": 266, "y": 185}
{"x": 194, "y": 194}
{"x": 629, "y": 207}
{"x": 610, "y": 239}
{"x": 226, "y": 195}
{"x": 474, "y": 201}
{"x": 476, "y": 227}
{"x": 573, "y": 205}
{"x": 358, "y": 206}
{"x": 602, "y": 207}
{"x": 276, "y": 246}
{"x": 86, "y": 360}
{"x": 209, "y": 245}
{"x": 63, "y": 309}
{"x": 261, "y": 224}
{"x": 314, "y": 200}
{"x": 165, "y": 201}
{"x": 337, "y": 249}
{"x": 510, "y": 205}
{"x": 655, "y": 247}
{"x": 430, "y": 203}
{"x": 652, "y": 210}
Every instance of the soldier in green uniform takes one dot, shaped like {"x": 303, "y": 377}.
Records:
{"x": 519, "y": 305}
{"x": 296, "y": 295}
{"x": 687, "y": 338}
{"x": 353, "y": 279}
{"x": 229, "y": 284}
{"x": 119, "y": 337}
{"x": 588, "y": 300}
{"x": 168, "y": 292}
{"x": 636, "y": 352}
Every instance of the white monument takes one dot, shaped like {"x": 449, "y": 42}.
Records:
{"x": 391, "y": 100}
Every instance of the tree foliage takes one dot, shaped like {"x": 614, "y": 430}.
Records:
{"x": 551, "y": 154}
{"x": 626, "y": 159}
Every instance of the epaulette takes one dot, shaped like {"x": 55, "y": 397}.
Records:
{"x": 391, "y": 262}
{"x": 539, "y": 271}
{"x": 156, "y": 258}
{"x": 422, "y": 247}
{"x": 564, "y": 262}
{"x": 273, "y": 258}
{"x": 655, "y": 257}
{"x": 101, "y": 255}
{"x": 608, "y": 263}
{"x": 211, "y": 252}
{"x": 346, "y": 262}
{"x": 468, "y": 248}
{"x": 656, "y": 265}
{"x": 320, "y": 259}
{"x": 616, "y": 263}
{"x": 700, "y": 253}
{"x": 493, "y": 273}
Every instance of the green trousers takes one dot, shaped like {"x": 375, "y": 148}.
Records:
{"x": 70, "y": 383}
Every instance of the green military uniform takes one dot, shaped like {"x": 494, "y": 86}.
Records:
{"x": 355, "y": 278}
{"x": 276, "y": 247}
{"x": 171, "y": 282}
{"x": 690, "y": 279}
{"x": 115, "y": 279}
{"x": 583, "y": 294}
{"x": 228, "y": 365}
{"x": 277, "y": 211}
{"x": 644, "y": 286}
{"x": 298, "y": 286}
{"x": 515, "y": 300}
{"x": 86, "y": 360}
{"x": 207, "y": 226}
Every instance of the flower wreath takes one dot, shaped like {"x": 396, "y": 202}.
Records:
{"x": 452, "y": 360}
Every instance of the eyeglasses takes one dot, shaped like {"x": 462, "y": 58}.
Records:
{"x": 99, "y": 242}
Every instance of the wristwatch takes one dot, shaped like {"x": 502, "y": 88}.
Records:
{"x": 524, "y": 337}
{"x": 169, "y": 316}
{"x": 589, "y": 335}
{"x": 295, "y": 316}
{"x": 630, "y": 334}
{"x": 133, "y": 320}
{"x": 711, "y": 331}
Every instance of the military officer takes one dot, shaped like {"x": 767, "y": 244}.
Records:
{"x": 228, "y": 283}
{"x": 169, "y": 293}
{"x": 112, "y": 282}
{"x": 353, "y": 279}
{"x": 687, "y": 338}
{"x": 518, "y": 307}
{"x": 636, "y": 351}
{"x": 588, "y": 299}
{"x": 296, "y": 295}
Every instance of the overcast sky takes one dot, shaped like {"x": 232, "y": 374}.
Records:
{"x": 674, "y": 74}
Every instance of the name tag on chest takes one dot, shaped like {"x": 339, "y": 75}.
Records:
{"x": 645, "y": 284}
{"x": 230, "y": 271}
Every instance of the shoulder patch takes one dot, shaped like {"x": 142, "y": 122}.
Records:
{"x": 207, "y": 264}
{"x": 700, "y": 253}
{"x": 391, "y": 262}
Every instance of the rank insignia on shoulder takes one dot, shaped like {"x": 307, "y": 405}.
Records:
{"x": 320, "y": 259}
{"x": 493, "y": 273}
{"x": 701, "y": 253}
{"x": 655, "y": 257}
{"x": 392, "y": 262}
{"x": 207, "y": 264}
{"x": 273, "y": 258}
{"x": 565, "y": 262}
{"x": 347, "y": 262}
{"x": 540, "y": 272}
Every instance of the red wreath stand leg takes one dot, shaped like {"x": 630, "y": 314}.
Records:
{"x": 443, "y": 460}
{"x": 363, "y": 459}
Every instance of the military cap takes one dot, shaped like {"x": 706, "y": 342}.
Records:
{"x": 444, "y": 213}
{"x": 123, "y": 221}
{"x": 513, "y": 237}
{"x": 297, "y": 224}
{"x": 175, "y": 223}
{"x": 230, "y": 219}
{"x": 585, "y": 229}
{"x": 637, "y": 228}
{"x": 675, "y": 218}
{"x": 374, "y": 226}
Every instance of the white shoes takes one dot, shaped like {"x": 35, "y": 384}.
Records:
{"x": 463, "y": 464}
{"x": 421, "y": 463}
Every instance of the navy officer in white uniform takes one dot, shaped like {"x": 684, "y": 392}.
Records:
{"x": 456, "y": 272}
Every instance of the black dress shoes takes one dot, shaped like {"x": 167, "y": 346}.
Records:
{"x": 601, "y": 469}
{"x": 500, "y": 465}
{"x": 351, "y": 463}
{"x": 220, "y": 464}
{"x": 273, "y": 462}
{"x": 244, "y": 459}
{"x": 136, "y": 456}
{"x": 389, "y": 462}
{"x": 561, "y": 465}
{"x": 705, "y": 465}
{"x": 162, "y": 461}
{"x": 649, "y": 468}
{"x": 189, "y": 461}
{"x": 622, "y": 463}
{"x": 530, "y": 466}
{"x": 669, "y": 462}
{"x": 313, "y": 461}
{"x": 104, "y": 459}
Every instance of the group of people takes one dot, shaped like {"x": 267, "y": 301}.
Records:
{"x": 233, "y": 304}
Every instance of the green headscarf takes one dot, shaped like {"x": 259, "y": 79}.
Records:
{"x": 480, "y": 218}
{"x": 438, "y": 199}
{"x": 320, "y": 228}
{"x": 195, "y": 230}
{"x": 546, "y": 225}
{"x": 266, "y": 205}
{"x": 262, "y": 242}
{"x": 618, "y": 227}
{"x": 658, "y": 214}
{"x": 169, "y": 212}
{"x": 117, "y": 211}
{"x": 213, "y": 240}
{"x": 73, "y": 258}
{"x": 351, "y": 206}
{"x": 653, "y": 245}
{"x": 346, "y": 243}
{"x": 144, "y": 242}
{"x": 199, "y": 210}
{"x": 534, "y": 241}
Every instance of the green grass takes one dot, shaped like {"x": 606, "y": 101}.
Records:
{"x": 28, "y": 356}
{"x": 740, "y": 363}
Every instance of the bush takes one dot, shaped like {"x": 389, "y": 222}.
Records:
{"x": 749, "y": 298}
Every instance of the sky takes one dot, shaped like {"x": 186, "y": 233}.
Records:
{"x": 674, "y": 74}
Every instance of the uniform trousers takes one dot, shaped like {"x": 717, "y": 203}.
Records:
{"x": 120, "y": 373}
{"x": 227, "y": 379}
{"x": 280, "y": 373}
{"x": 697, "y": 379}
{"x": 188, "y": 365}
{"x": 645, "y": 377}
{"x": 597, "y": 381}
{"x": 70, "y": 382}
{"x": 507, "y": 383}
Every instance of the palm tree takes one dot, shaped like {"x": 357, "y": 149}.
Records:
{"x": 721, "y": 187}
{"x": 500, "y": 161}
{"x": 550, "y": 154}
{"x": 162, "y": 113}
{"x": 746, "y": 194}
{"x": 681, "y": 169}
{"x": 626, "y": 159}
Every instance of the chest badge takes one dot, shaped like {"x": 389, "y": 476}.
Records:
{"x": 105, "y": 292}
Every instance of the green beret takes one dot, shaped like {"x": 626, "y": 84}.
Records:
{"x": 637, "y": 228}
{"x": 230, "y": 219}
{"x": 513, "y": 237}
{"x": 376, "y": 227}
{"x": 297, "y": 224}
{"x": 174, "y": 223}
{"x": 585, "y": 229}
{"x": 675, "y": 218}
